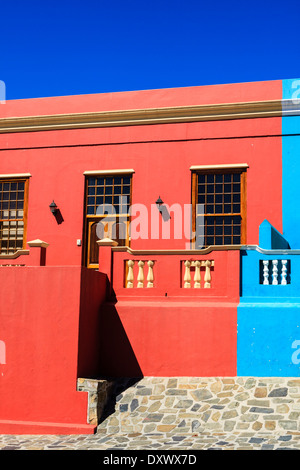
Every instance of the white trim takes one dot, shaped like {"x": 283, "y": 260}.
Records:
{"x": 213, "y": 167}
{"x": 109, "y": 172}
{"x": 16, "y": 175}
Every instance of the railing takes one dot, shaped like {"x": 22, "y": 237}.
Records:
{"x": 270, "y": 275}
{"x": 275, "y": 272}
{"x": 171, "y": 273}
{"x": 146, "y": 279}
{"x": 130, "y": 281}
{"x": 207, "y": 264}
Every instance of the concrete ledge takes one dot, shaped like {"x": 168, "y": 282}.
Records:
{"x": 99, "y": 391}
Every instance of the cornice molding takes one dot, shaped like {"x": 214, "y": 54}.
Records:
{"x": 192, "y": 252}
{"x": 137, "y": 117}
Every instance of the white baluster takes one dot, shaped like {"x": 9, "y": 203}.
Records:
{"x": 197, "y": 276}
{"x": 284, "y": 272}
{"x": 150, "y": 276}
{"x": 207, "y": 276}
{"x": 130, "y": 276}
{"x": 266, "y": 272}
{"x": 275, "y": 272}
{"x": 140, "y": 277}
{"x": 187, "y": 274}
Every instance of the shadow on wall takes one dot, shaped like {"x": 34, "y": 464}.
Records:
{"x": 58, "y": 217}
{"x": 118, "y": 362}
{"x": 117, "y": 358}
{"x": 120, "y": 385}
{"x": 104, "y": 350}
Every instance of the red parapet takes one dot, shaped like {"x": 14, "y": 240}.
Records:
{"x": 210, "y": 274}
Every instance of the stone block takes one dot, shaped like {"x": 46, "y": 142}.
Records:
{"x": 184, "y": 404}
{"x": 165, "y": 427}
{"x": 278, "y": 392}
{"x": 257, "y": 426}
{"x": 153, "y": 417}
{"x": 230, "y": 414}
{"x": 288, "y": 425}
{"x": 200, "y": 395}
{"x": 260, "y": 392}
{"x": 176, "y": 391}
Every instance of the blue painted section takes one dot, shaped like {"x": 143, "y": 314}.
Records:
{"x": 268, "y": 339}
{"x": 291, "y": 166}
{"x": 268, "y": 330}
{"x": 253, "y": 290}
{"x": 270, "y": 238}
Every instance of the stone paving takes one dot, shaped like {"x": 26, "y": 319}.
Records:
{"x": 161, "y": 442}
{"x": 186, "y": 414}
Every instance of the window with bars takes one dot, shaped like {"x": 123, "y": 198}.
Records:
{"x": 108, "y": 191}
{"x": 108, "y": 199}
{"x": 219, "y": 212}
{"x": 13, "y": 214}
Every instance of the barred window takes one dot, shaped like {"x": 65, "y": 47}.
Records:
{"x": 107, "y": 202}
{"x": 103, "y": 192}
{"x": 219, "y": 207}
{"x": 13, "y": 214}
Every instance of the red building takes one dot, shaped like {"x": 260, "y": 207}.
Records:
{"x": 160, "y": 300}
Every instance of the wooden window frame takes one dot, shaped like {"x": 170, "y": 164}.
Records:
{"x": 89, "y": 219}
{"x": 243, "y": 197}
{"x": 17, "y": 179}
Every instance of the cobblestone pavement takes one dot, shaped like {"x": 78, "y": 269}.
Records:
{"x": 161, "y": 442}
{"x": 187, "y": 414}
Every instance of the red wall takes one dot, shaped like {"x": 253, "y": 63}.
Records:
{"x": 49, "y": 316}
{"x": 189, "y": 332}
{"x": 161, "y": 156}
{"x": 40, "y": 326}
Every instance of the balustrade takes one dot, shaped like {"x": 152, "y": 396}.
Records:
{"x": 197, "y": 274}
{"x": 275, "y": 272}
{"x": 141, "y": 275}
{"x": 143, "y": 279}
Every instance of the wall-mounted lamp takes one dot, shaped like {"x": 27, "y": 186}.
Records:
{"x": 159, "y": 203}
{"x": 53, "y": 208}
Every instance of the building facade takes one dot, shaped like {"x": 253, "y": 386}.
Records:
{"x": 148, "y": 233}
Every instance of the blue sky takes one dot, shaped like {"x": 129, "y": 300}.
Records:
{"x": 71, "y": 47}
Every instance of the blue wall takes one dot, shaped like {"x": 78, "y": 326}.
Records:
{"x": 291, "y": 166}
{"x": 268, "y": 318}
{"x": 268, "y": 330}
{"x": 268, "y": 340}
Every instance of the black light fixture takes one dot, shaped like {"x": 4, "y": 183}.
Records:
{"x": 159, "y": 202}
{"x": 53, "y": 207}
